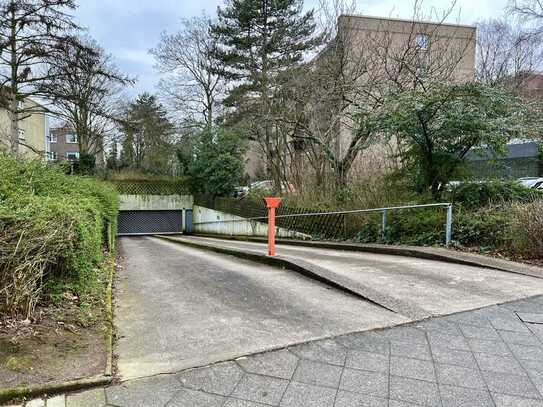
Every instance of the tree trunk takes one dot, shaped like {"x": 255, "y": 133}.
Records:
{"x": 14, "y": 117}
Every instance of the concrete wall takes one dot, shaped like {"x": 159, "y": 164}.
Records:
{"x": 155, "y": 202}
{"x": 205, "y": 221}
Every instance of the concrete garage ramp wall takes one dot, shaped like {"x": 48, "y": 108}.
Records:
{"x": 211, "y": 222}
{"x": 155, "y": 202}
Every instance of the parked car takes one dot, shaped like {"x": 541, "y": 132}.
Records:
{"x": 265, "y": 186}
{"x": 532, "y": 182}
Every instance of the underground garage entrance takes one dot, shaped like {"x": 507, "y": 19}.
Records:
{"x": 154, "y": 214}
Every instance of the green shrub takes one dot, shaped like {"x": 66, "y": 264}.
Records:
{"x": 54, "y": 230}
{"x": 526, "y": 229}
{"x": 479, "y": 194}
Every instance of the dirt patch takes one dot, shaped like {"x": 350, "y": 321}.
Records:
{"x": 50, "y": 350}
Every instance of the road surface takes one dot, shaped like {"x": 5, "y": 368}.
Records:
{"x": 179, "y": 307}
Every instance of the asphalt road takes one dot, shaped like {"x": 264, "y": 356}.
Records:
{"x": 429, "y": 287}
{"x": 179, "y": 307}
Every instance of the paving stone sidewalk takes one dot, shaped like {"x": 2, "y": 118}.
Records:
{"x": 487, "y": 357}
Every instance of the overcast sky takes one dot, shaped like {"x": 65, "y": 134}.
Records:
{"x": 127, "y": 29}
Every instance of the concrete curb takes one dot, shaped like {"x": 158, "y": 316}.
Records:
{"x": 316, "y": 273}
{"x": 78, "y": 384}
{"x": 54, "y": 388}
{"x": 428, "y": 253}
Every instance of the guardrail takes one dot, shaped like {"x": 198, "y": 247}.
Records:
{"x": 447, "y": 205}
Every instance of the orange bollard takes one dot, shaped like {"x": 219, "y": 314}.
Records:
{"x": 272, "y": 204}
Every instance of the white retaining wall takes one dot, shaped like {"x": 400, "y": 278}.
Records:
{"x": 205, "y": 221}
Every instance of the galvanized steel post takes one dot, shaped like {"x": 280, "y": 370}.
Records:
{"x": 448, "y": 226}
{"x": 384, "y": 226}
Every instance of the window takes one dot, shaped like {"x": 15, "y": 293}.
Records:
{"x": 52, "y": 155}
{"x": 72, "y": 156}
{"x": 21, "y": 134}
{"x": 422, "y": 41}
{"x": 71, "y": 138}
{"x": 52, "y": 138}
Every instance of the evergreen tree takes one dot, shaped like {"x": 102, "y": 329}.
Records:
{"x": 260, "y": 40}
{"x": 147, "y": 143}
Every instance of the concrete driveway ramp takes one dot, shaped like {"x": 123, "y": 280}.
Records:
{"x": 414, "y": 287}
{"x": 180, "y": 307}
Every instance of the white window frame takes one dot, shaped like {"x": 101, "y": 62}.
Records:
{"x": 69, "y": 137}
{"x": 52, "y": 138}
{"x": 74, "y": 153}
{"x": 422, "y": 41}
{"x": 52, "y": 156}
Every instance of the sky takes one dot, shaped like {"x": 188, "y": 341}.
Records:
{"x": 127, "y": 29}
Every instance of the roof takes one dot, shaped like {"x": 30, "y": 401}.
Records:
{"x": 528, "y": 149}
{"x": 405, "y": 20}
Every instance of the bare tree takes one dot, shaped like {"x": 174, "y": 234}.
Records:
{"x": 347, "y": 83}
{"x": 31, "y": 32}
{"x": 531, "y": 11}
{"x": 83, "y": 87}
{"x": 506, "y": 52}
{"x": 191, "y": 84}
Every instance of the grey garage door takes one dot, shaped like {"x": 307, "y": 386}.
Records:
{"x": 150, "y": 222}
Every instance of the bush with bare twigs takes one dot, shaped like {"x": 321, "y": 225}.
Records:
{"x": 53, "y": 231}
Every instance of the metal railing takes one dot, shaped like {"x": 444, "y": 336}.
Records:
{"x": 384, "y": 211}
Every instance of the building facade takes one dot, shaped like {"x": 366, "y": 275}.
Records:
{"x": 370, "y": 57}
{"x": 33, "y": 131}
{"x": 62, "y": 144}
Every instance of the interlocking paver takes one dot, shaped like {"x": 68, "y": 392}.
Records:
{"x": 508, "y": 324}
{"x": 412, "y": 368}
{"x": 499, "y": 364}
{"x": 405, "y": 334}
{"x": 360, "y": 381}
{"x": 370, "y": 342}
{"x": 306, "y": 395}
{"x": 452, "y": 396}
{"x": 348, "y": 399}
{"x": 219, "y": 379}
{"x": 453, "y": 357}
{"x": 527, "y": 352}
{"x": 411, "y": 350}
{"x": 414, "y": 391}
{"x": 510, "y": 384}
{"x": 520, "y": 338}
{"x": 459, "y": 376}
{"x": 359, "y": 359}
{"x": 262, "y": 389}
{"x": 316, "y": 373}
{"x": 149, "y": 392}
{"x": 479, "y": 332}
{"x": 486, "y": 357}
{"x": 278, "y": 364}
{"x": 327, "y": 351}
{"x": 91, "y": 398}
{"x": 242, "y": 403}
{"x": 194, "y": 398}
{"x": 448, "y": 341}
{"x": 497, "y": 348}
{"x": 503, "y": 400}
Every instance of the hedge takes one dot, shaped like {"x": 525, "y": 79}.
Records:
{"x": 54, "y": 231}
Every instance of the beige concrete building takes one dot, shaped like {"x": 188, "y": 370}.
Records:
{"x": 33, "y": 131}
{"x": 388, "y": 54}
{"x": 370, "y": 57}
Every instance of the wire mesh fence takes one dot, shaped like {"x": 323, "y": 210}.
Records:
{"x": 367, "y": 225}
{"x": 149, "y": 187}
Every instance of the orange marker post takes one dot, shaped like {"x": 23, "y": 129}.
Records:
{"x": 272, "y": 204}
